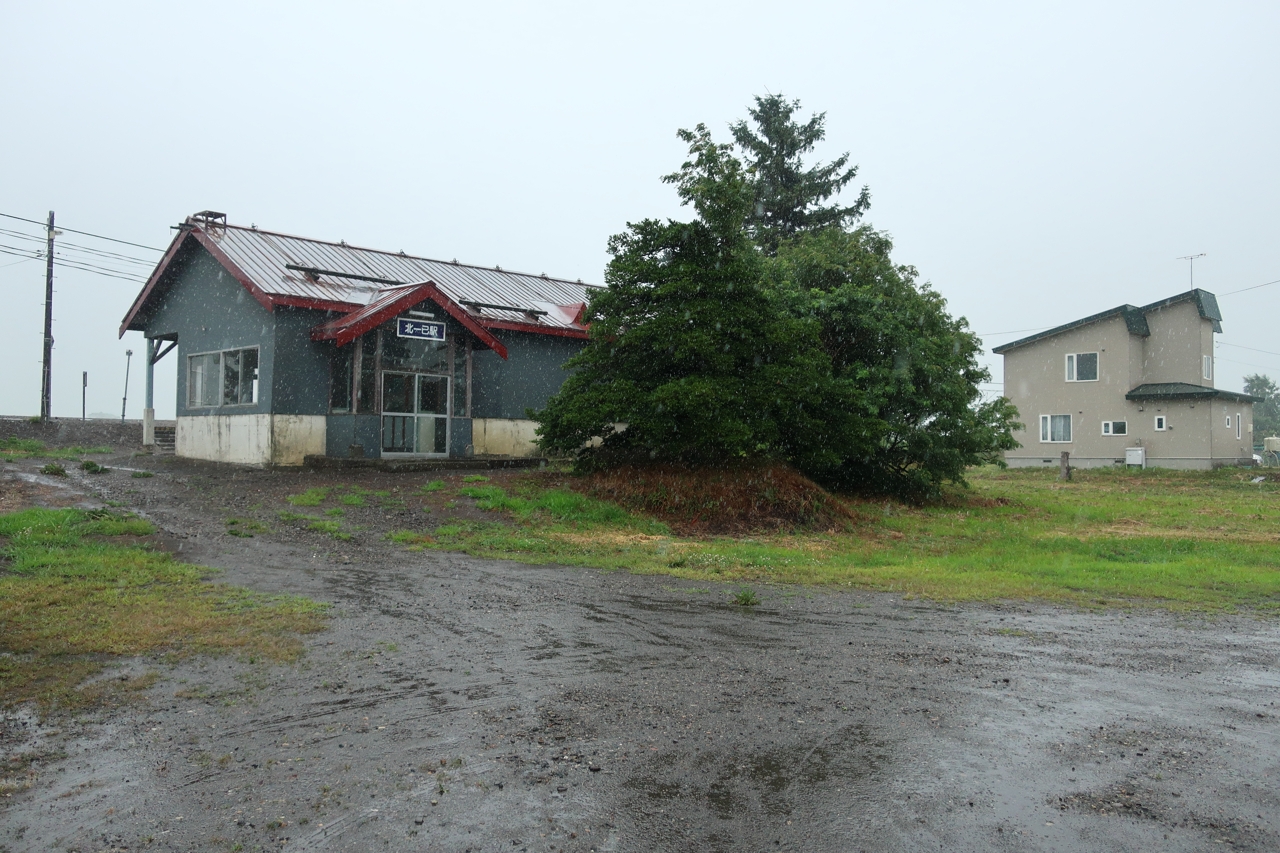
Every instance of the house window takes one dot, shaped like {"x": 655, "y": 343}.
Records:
{"x": 1161, "y": 423}
{"x": 1055, "y": 428}
{"x": 1082, "y": 367}
{"x": 1228, "y": 421}
{"x": 1239, "y": 434}
{"x": 1208, "y": 367}
{"x": 227, "y": 378}
{"x": 1115, "y": 427}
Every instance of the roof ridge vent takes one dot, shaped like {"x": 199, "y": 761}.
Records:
{"x": 498, "y": 268}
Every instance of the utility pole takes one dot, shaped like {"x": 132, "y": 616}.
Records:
{"x": 1191, "y": 260}
{"x": 128, "y": 356}
{"x": 46, "y": 383}
{"x": 84, "y": 391}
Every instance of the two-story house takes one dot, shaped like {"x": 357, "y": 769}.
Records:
{"x": 1127, "y": 378}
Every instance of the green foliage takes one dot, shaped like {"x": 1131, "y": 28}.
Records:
{"x": 53, "y": 469}
{"x": 745, "y": 597}
{"x": 1266, "y": 415}
{"x": 142, "y": 475}
{"x": 789, "y": 199}
{"x": 91, "y": 467}
{"x": 687, "y": 349}
{"x": 473, "y": 478}
{"x": 767, "y": 329}
{"x": 918, "y": 366}
{"x": 433, "y": 486}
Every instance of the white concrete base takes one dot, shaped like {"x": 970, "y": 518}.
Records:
{"x": 1178, "y": 463}
{"x": 504, "y": 437}
{"x": 250, "y": 439}
{"x": 148, "y": 427}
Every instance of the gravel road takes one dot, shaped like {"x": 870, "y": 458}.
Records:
{"x": 461, "y": 704}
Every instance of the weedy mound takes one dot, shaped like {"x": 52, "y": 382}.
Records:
{"x": 739, "y": 499}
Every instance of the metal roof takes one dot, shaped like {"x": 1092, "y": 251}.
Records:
{"x": 1135, "y": 318}
{"x": 1185, "y": 391}
{"x": 338, "y": 275}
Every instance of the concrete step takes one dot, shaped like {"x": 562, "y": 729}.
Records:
{"x": 166, "y": 439}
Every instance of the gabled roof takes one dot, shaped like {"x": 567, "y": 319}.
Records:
{"x": 1185, "y": 391}
{"x": 1135, "y": 318}
{"x": 391, "y": 302}
{"x": 281, "y": 269}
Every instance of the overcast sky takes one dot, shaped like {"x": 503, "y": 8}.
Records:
{"x": 1037, "y": 162}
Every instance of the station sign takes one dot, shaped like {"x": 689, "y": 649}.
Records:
{"x": 423, "y": 330}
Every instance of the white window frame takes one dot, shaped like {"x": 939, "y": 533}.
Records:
{"x": 1228, "y": 421}
{"x": 1046, "y": 430}
{"x": 1207, "y": 370}
{"x": 1072, "y": 364}
{"x": 1239, "y": 427}
{"x": 217, "y": 378}
{"x": 1109, "y": 428}
{"x": 1162, "y": 423}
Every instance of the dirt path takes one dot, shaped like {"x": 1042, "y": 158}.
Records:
{"x": 459, "y": 704}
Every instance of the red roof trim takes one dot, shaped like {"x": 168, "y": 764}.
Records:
{"x": 514, "y": 326}
{"x": 320, "y": 304}
{"x": 152, "y": 281}
{"x": 341, "y": 333}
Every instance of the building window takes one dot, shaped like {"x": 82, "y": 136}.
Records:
{"x": 1055, "y": 428}
{"x": 1239, "y": 433}
{"x": 1228, "y": 421}
{"x": 227, "y": 378}
{"x": 1115, "y": 427}
{"x": 1161, "y": 423}
{"x": 1082, "y": 367}
{"x": 1208, "y": 367}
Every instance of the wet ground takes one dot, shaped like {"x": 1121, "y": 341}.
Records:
{"x": 459, "y": 704}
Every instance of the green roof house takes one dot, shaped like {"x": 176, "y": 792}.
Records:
{"x": 1132, "y": 384}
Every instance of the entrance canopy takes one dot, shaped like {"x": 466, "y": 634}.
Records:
{"x": 390, "y": 302}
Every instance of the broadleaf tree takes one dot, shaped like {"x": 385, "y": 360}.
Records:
{"x": 687, "y": 349}
{"x": 1266, "y": 415}
{"x": 774, "y": 325}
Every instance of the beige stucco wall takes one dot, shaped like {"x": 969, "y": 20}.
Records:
{"x": 250, "y": 439}
{"x": 1179, "y": 339}
{"x": 504, "y": 437}
{"x": 1197, "y": 435}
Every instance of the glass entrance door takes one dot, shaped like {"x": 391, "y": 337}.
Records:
{"x": 415, "y": 414}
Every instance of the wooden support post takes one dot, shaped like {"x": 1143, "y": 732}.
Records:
{"x": 1064, "y": 466}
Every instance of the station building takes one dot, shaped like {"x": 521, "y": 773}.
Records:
{"x": 290, "y": 347}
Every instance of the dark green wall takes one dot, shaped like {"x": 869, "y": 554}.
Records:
{"x": 210, "y": 311}
{"x": 300, "y": 381}
{"x": 532, "y": 373}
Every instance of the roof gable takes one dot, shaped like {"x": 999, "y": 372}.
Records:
{"x": 281, "y": 269}
{"x": 1135, "y": 318}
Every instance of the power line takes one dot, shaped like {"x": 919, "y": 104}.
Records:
{"x": 1251, "y": 349}
{"x": 85, "y": 233}
{"x": 1255, "y": 287}
{"x": 1247, "y": 363}
{"x": 72, "y": 263}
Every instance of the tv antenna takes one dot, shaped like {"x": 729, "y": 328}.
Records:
{"x": 1191, "y": 260}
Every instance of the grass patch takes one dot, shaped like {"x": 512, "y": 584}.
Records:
{"x": 29, "y": 448}
{"x": 475, "y": 478}
{"x": 245, "y": 527}
{"x": 142, "y": 475}
{"x": 53, "y": 469}
{"x": 81, "y": 587}
{"x": 311, "y": 497}
{"x": 1175, "y": 539}
{"x": 91, "y": 467}
{"x": 433, "y": 486}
